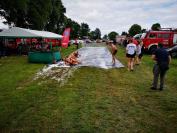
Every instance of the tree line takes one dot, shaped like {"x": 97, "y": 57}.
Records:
{"x": 50, "y": 15}
{"x": 46, "y": 15}
{"x": 133, "y": 30}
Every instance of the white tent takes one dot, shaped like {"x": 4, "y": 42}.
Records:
{"x": 17, "y": 32}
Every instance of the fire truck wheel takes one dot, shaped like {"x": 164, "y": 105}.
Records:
{"x": 152, "y": 49}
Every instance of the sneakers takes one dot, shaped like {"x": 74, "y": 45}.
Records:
{"x": 153, "y": 88}
{"x": 161, "y": 89}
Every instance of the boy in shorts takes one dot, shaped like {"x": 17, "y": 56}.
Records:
{"x": 113, "y": 51}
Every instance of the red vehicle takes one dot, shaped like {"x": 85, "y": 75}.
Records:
{"x": 167, "y": 37}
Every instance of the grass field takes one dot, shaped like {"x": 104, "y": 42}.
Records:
{"x": 93, "y": 100}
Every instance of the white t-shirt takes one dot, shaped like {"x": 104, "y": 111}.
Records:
{"x": 131, "y": 48}
{"x": 138, "y": 49}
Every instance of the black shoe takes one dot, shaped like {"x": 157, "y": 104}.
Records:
{"x": 161, "y": 89}
{"x": 153, "y": 88}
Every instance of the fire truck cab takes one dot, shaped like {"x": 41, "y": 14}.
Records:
{"x": 167, "y": 37}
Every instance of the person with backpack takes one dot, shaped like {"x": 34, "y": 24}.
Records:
{"x": 162, "y": 59}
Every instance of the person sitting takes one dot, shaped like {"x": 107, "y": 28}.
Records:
{"x": 72, "y": 59}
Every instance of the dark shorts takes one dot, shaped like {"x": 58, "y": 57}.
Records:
{"x": 114, "y": 53}
{"x": 131, "y": 56}
{"x": 140, "y": 56}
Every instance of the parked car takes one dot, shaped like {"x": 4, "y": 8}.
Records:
{"x": 137, "y": 36}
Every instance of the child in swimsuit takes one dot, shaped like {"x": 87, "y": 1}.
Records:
{"x": 113, "y": 51}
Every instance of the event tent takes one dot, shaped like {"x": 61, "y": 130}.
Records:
{"x": 17, "y": 32}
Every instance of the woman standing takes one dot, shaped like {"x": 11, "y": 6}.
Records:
{"x": 139, "y": 53}
{"x": 130, "y": 53}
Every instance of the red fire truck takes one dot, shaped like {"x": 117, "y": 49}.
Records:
{"x": 166, "y": 36}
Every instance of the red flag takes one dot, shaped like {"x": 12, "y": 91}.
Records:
{"x": 65, "y": 39}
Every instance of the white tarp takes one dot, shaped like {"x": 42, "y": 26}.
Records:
{"x": 91, "y": 56}
{"x": 97, "y": 57}
{"x": 26, "y": 33}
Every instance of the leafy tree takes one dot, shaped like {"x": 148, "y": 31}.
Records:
{"x": 92, "y": 35}
{"x": 84, "y": 29}
{"x": 156, "y": 26}
{"x": 75, "y": 30}
{"x": 56, "y": 18}
{"x": 134, "y": 29}
{"x": 38, "y": 14}
{"x": 97, "y": 33}
{"x": 41, "y": 15}
{"x": 112, "y": 35}
{"x": 105, "y": 37}
{"x": 14, "y": 11}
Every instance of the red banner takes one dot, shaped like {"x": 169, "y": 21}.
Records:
{"x": 65, "y": 39}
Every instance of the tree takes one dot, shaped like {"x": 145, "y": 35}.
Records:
{"x": 41, "y": 15}
{"x": 38, "y": 14}
{"x": 97, "y": 33}
{"x": 56, "y": 17}
{"x": 134, "y": 29}
{"x": 14, "y": 11}
{"x": 156, "y": 26}
{"x": 75, "y": 32}
{"x": 112, "y": 35}
{"x": 84, "y": 29}
{"x": 92, "y": 35}
{"x": 105, "y": 37}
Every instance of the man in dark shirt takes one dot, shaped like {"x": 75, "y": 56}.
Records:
{"x": 162, "y": 58}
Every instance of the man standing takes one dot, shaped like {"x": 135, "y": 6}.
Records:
{"x": 162, "y": 58}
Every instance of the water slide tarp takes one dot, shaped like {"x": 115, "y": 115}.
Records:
{"x": 17, "y": 32}
{"x": 99, "y": 57}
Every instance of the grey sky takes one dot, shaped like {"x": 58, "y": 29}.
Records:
{"x": 119, "y": 15}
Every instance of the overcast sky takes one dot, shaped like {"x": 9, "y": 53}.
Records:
{"x": 119, "y": 15}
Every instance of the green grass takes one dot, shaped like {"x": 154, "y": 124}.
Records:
{"x": 93, "y": 100}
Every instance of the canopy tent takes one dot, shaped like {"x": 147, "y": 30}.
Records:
{"x": 17, "y": 32}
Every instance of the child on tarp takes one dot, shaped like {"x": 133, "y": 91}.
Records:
{"x": 72, "y": 59}
{"x": 112, "y": 44}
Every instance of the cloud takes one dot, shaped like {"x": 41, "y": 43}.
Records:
{"x": 119, "y": 15}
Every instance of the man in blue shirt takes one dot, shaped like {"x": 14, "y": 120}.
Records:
{"x": 162, "y": 58}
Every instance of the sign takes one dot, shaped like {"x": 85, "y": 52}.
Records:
{"x": 66, "y": 36}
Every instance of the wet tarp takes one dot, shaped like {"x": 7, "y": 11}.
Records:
{"x": 97, "y": 57}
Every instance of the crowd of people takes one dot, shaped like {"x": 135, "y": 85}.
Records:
{"x": 134, "y": 54}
